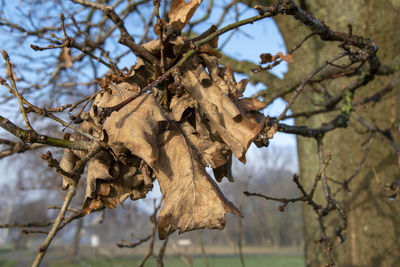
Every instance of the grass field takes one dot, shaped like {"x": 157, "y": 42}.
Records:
{"x": 213, "y": 261}
{"x": 7, "y": 263}
{"x": 116, "y": 257}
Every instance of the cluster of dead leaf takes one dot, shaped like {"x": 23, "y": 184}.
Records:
{"x": 206, "y": 122}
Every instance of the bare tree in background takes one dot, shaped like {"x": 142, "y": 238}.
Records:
{"x": 153, "y": 102}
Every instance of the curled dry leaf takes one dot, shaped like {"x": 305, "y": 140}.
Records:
{"x": 181, "y": 12}
{"x": 234, "y": 128}
{"x": 211, "y": 153}
{"x": 110, "y": 182}
{"x": 207, "y": 122}
{"x": 251, "y": 104}
{"x": 272, "y": 131}
{"x": 67, "y": 163}
{"x": 65, "y": 57}
{"x": 271, "y": 128}
{"x": 135, "y": 127}
{"x": 268, "y": 58}
{"x": 288, "y": 58}
{"x": 192, "y": 200}
{"x": 158, "y": 26}
{"x": 224, "y": 171}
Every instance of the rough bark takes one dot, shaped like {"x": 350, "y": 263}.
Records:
{"x": 373, "y": 231}
{"x": 373, "y": 220}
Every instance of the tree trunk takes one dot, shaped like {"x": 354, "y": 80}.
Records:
{"x": 373, "y": 220}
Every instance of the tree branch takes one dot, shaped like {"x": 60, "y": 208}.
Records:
{"x": 32, "y": 137}
{"x": 125, "y": 38}
{"x": 55, "y": 227}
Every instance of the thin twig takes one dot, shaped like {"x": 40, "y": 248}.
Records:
{"x": 14, "y": 86}
{"x": 301, "y": 86}
{"x": 133, "y": 245}
{"x": 153, "y": 220}
{"x": 345, "y": 183}
{"x": 27, "y": 231}
{"x": 43, "y": 112}
{"x": 55, "y": 227}
{"x": 19, "y": 147}
{"x": 308, "y": 198}
{"x": 161, "y": 253}
{"x": 25, "y": 225}
{"x": 125, "y": 37}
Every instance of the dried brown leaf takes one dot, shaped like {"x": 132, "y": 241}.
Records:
{"x": 272, "y": 130}
{"x": 135, "y": 127}
{"x": 288, "y": 58}
{"x": 178, "y": 105}
{"x": 251, "y": 104}
{"x": 215, "y": 72}
{"x": 225, "y": 117}
{"x": 181, "y": 12}
{"x": 157, "y": 28}
{"x": 70, "y": 157}
{"x": 210, "y": 153}
{"x": 224, "y": 171}
{"x": 266, "y": 58}
{"x": 67, "y": 163}
{"x": 65, "y": 57}
{"x": 209, "y": 49}
{"x": 98, "y": 168}
{"x": 192, "y": 200}
{"x": 206, "y": 123}
{"x": 110, "y": 182}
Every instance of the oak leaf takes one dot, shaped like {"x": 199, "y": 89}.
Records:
{"x": 233, "y": 127}
{"x": 135, "y": 127}
{"x": 110, "y": 182}
{"x": 207, "y": 122}
{"x": 181, "y": 12}
{"x": 192, "y": 200}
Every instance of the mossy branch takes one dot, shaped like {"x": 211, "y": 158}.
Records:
{"x": 32, "y": 137}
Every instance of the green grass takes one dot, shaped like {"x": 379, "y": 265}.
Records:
{"x": 5, "y": 249}
{"x": 7, "y": 263}
{"x": 213, "y": 261}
